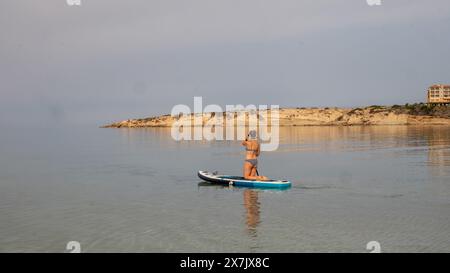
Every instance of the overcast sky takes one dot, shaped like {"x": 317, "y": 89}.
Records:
{"x": 109, "y": 60}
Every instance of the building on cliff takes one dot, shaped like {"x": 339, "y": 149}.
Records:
{"x": 439, "y": 94}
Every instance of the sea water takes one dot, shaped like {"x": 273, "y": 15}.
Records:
{"x": 137, "y": 190}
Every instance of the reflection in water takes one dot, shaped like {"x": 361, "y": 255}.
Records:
{"x": 251, "y": 205}
{"x": 399, "y": 139}
{"x": 252, "y": 211}
{"x": 438, "y": 151}
{"x": 360, "y": 138}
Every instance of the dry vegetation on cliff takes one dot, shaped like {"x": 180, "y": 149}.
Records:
{"x": 408, "y": 114}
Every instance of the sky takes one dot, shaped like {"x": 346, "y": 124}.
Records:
{"x": 109, "y": 60}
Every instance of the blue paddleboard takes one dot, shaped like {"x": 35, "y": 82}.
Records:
{"x": 239, "y": 181}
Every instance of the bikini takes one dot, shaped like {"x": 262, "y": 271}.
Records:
{"x": 253, "y": 161}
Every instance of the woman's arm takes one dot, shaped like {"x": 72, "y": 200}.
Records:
{"x": 258, "y": 150}
{"x": 245, "y": 142}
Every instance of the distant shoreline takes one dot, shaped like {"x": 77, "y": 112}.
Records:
{"x": 408, "y": 114}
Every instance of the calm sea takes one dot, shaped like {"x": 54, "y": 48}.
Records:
{"x": 136, "y": 190}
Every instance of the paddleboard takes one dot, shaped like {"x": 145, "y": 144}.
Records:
{"x": 239, "y": 181}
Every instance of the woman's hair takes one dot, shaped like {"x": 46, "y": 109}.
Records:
{"x": 253, "y": 135}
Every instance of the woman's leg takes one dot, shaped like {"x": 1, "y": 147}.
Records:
{"x": 250, "y": 172}
{"x": 247, "y": 170}
{"x": 255, "y": 174}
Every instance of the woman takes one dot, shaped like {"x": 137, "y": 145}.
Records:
{"x": 251, "y": 157}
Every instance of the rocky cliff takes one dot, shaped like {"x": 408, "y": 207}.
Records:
{"x": 415, "y": 114}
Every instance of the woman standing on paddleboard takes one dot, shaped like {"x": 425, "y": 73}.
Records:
{"x": 252, "y": 148}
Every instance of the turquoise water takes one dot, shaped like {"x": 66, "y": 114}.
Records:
{"x": 136, "y": 190}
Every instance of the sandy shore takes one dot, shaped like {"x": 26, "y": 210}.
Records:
{"x": 415, "y": 114}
